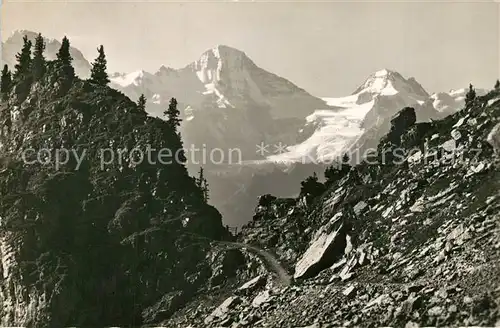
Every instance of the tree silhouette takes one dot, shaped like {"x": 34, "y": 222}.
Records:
{"x": 172, "y": 114}
{"x": 23, "y": 60}
{"x": 497, "y": 85}
{"x": 98, "y": 73}
{"x": 470, "y": 96}
{"x": 38, "y": 58}
{"x": 202, "y": 184}
{"x": 5, "y": 82}
{"x": 63, "y": 55}
{"x": 346, "y": 158}
{"x": 311, "y": 187}
{"x": 173, "y": 121}
{"x": 141, "y": 104}
{"x": 64, "y": 61}
{"x": 338, "y": 170}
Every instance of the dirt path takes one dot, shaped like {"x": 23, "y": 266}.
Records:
{"x": 271, "y": 262}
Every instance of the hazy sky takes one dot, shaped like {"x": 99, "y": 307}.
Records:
{"x": 327, "y": 48}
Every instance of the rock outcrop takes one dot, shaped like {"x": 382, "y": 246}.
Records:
{"x": 494, "y": 138}
{"x": 325, "y": 248}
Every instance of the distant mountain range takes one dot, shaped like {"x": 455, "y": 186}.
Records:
{"x": 227, "y": 101}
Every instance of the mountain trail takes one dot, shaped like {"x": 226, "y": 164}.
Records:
{"x": 270, "y": 260}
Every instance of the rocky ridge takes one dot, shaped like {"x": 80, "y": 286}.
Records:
{"x": 82, "y": 244}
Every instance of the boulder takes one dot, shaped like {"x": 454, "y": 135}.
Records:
{"x": 225, "y": 265}
{"x": 252, "y": 285}
{"x": 165, "y": 307}
{"x": 223, "y": 309}
{"x": 325, "y": 249}
{"x": 402, "y": 122}
{"x": 262, "y": 298}
{"x": 494, "y": 138}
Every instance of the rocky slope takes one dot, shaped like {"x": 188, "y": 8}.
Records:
{"x": 87, "y": 244}
{"x": 411, "y": 241}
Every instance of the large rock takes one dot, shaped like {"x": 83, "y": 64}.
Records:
{"x": 167, "y": 305}
{"x": 323, "y": 251}
{"x": 494, "y": 138}
{"x": 222, "y": 310}
{"x": 402, "y": 122}
{"x": 253, "y": 284}
{"x": 262, "y": 298}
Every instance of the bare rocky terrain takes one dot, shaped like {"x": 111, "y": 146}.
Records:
{"x": 406, "y": 245}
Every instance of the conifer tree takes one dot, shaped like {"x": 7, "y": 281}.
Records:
{"x": 64, "y": 60}
{"x": 202, "y": 184}
{"x": 141, "y": 104}
{"x": 497, "y": 85}
{"x": 205, "y": 190}
{"x": 200, "y": 178}
{"x": 173, "y": 121}
{"x": 346, "y": 158}
{"x": 470, "y": 96}
{"x": 38, "y": 58}
{"x": 311, "y": 187}
{"x": 5, "y": 82}
{"x": 23, "y": 59}
{"x": 63, "y": 55}
{"x": 98, "y": 73}
{"x": 172, "y": 114}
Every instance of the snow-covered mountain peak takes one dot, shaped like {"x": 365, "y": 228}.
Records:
{"x": 224, "y": 52}
{"x": 126, "y": 79}
{"x": 384, "y": 73}
{"x": 330, "y": 133}
{"x": 386, "y": 82}
{"x": 214, "y": 62}
{"x": 378, "y": 81}
{"x": 163, "y": 71}
{"x": 17, "y": 36}
{"x": 21, "y": 33}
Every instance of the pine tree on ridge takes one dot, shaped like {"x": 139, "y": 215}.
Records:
{"x": 63, "y": 55}
{"x": 470, "y": 96}
{"x": 173, "y": 121}
{"x": 202, "y": 184}
{"x": 38, "y": 58}
{"x": 64, "y": 61}
{"x": 141, "y": 103}
{"x": 23, "y": 60}
{"x": 172, "y": 114}
{"x": 98, "y": 73}
{"x": 5, "y": 82}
